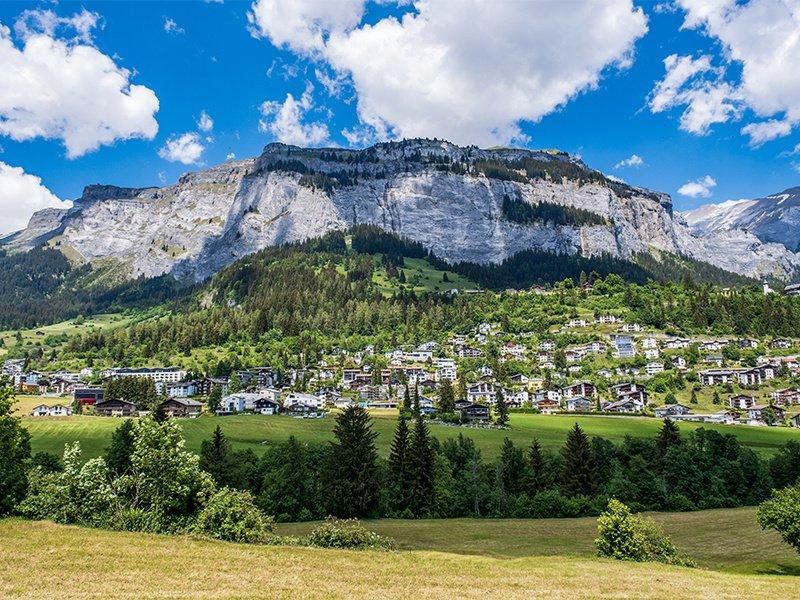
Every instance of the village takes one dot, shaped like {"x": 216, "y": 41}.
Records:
{"x": 617, "y": 368}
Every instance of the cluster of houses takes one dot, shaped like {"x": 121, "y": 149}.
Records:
{"x": 561, "y": 380}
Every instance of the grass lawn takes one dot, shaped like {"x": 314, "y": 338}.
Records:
{"x": 254, "y": 431}
{"x": 728, "y": 539}
{"x": 43, "y": 560}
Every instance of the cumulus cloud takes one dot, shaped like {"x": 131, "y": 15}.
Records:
{"x": 170, "y": 26}
{"x": 22, "y": 194}
{"x": 205, "y": 122}
{"x": 458, "y": 69}
{"x": 64, "y": 88}
{"x": 759, "y": 38}
{"x": 634, "y": 160}
{"x": 700, "y": 188}
{"x": 230, "y": 156}
{"x": 284, "y": 120}
{"x": 186, "y": 148}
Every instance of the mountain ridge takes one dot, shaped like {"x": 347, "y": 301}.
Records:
{"x": 456, "y": 201}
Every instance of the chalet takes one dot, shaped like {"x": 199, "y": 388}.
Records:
{"x": 446, "y": 370}
{"x": 638, "y": 397}
{"x": 649, "y": 343}
{"x": 653, "y": 368}
{"x": 747, "y": 343}
{"x": 755, "y": 415}
{"x": 677, "y": 343}
{"x": 87, "y": 396}
{"x": 714, "y": 359}
{"x": 621, "y": 406}
{"x": 795, "y": 420}
{"x": 573, "y": 355}
{"x": 651, "y": 353}
{"x": 303, "y": 411}
{"x": 624, "y": 388}
{"x": 63, "y": 386}
{"x": 206, "y": 385}
{"x": 468, "y": 352}
{"x": 715, "y": 376}
{"x": 606, "y": 319}
{"x": 678, "y": 362}
{"x": 786, "y": 396}
{"x": 547, "y": 345}
{"x": 671, "y": 410}
{"x": 623, "y": 347}
{"x": 575, "y": 323}
{"x": 713, "y": 345}
{"x": 115, "y": 408}
{"x": 748, "y": 376}
{"x": 781, "y": 343}
{"x": 579, "y": 404}
{"x": 792, "y": 289}
{"x": 579, "y": 388}
{"x": 182, "y": 389}
{"x": 519, "y": 378}
{"x": 265, "y": 406}
{"x": 546, "y": 405}
{"x": 181, "y": 407}
{"x": 741, "y": 401}
{"x": 513, "y": 350}
{"x": 630, "y": 328}
{"x": 56, "y": 410}
{"x": 481, "y": 392}
{"x": 304, "y": 399}
{"x": 472, "y": 412}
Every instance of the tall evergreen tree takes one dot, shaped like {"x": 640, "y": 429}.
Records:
{"x": 421, "y": 466}
{"x": 406, "y": 400}
{"x": 399, "y": 467}
{"x": 214, "y": 398}
{"x": 415, "y": 400}
{"x": 118, "y": 453}
{"x": 447, "y": 399}
{"x": 500, "y": 409}
{"x": 351, "y": 479}
{"x": 579, "y": 477}
{"x": 512, "y": 467}
{"x": 536, "y": 479}
{"x": 668, "y": 436}
{"x": 215, "y": 456}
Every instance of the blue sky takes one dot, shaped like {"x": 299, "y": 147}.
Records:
{"x": 259, "y": 71}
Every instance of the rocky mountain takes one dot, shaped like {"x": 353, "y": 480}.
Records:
{"x": 464, "y": 203}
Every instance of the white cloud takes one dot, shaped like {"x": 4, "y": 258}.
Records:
{"x": 205, "y": 122}
{"x": 634, "y": 160}
{"x": 58, "y": 88}
{"x": 459, "y": 69}
{"x": 284, "y": 120}
{"x": 697, "y": 85}
{"x": 170, "y": 26}
{"x": 700, "y": 188}
{"x": 796, "y": 166}
{"x": 186, "y": 148}
{"x": 230, "y": 156}
{"x": 760, "y": 38}
{"x": 22, "y": 194}
{"x": 46, "y": 22}
{"x": 162, "y": 177}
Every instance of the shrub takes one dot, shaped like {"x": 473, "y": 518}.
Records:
{"x": 339, "y": 533}
{"x": 624, "y": 536}
{"x": 232, "y": 516}
{"x": 782, "y": 513}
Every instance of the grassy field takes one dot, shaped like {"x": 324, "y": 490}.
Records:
{"x": 728, "y": 540}
{"x": 43, "y": 560}
{"x": 254, "y": 431}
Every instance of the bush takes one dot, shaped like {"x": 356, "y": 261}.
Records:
{"x": 624, "y": 536}
{"x": 782, "y": 513}
{"x": 338, "y": 533}
{"x": 232, "y": 516}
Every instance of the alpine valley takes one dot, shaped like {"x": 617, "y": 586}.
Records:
{"x": 464, "y": 205}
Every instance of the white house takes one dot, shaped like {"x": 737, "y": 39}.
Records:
{"x": 56, "y": 410}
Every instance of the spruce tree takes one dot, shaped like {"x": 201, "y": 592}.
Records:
{"x": 500, "y": 409}
{"x": 580, "y": 476}
{"x": 415, "y": 400}
{"x": 118, "y": 453}
{"x": 406, "y": 400}
{"x": 399, "y": 467}
{"x": 512, "y": 465}
{"x": 214, "y": 398}
{"x": 536, "y": 479}
{"x": 421, "y": 467}
{"x": 716, "y": 399}
{"x": 668, "y": 436}
{"x": 215, "y": 456}
{"x": 351, "y": 476}
{"x": 447, "y": 399}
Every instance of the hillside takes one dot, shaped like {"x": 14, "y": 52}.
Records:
{"x": 37, "y": 557}
{"x": 463, "y": 204}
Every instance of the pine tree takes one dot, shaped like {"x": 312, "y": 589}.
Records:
{"x": 214, "y": 399}
{"x": 421, "y": 469}
{"x": 415, "y": 400}
{"x": 512, "y": 465}
{"x": 580, "y": 476}
{"x": 215, "y": 456}
{"x": 500, "y": 409}
{"x": 536, "y": 480}
{"x": 716, "y": 399}
{"x": 668, "y": 436}
{"x": 351, "y": 477}
{"x": 118, "y": 453}
{"x": 447, "y": 400}
{"x": 406, "y": 400}
{"x": 399, "y": 467}
{"x": 693, "y": 397}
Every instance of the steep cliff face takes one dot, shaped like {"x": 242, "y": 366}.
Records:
{"x": 451, "y": 199}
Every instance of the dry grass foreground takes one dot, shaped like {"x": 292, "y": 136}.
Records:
{"x": 43, "y": 560}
